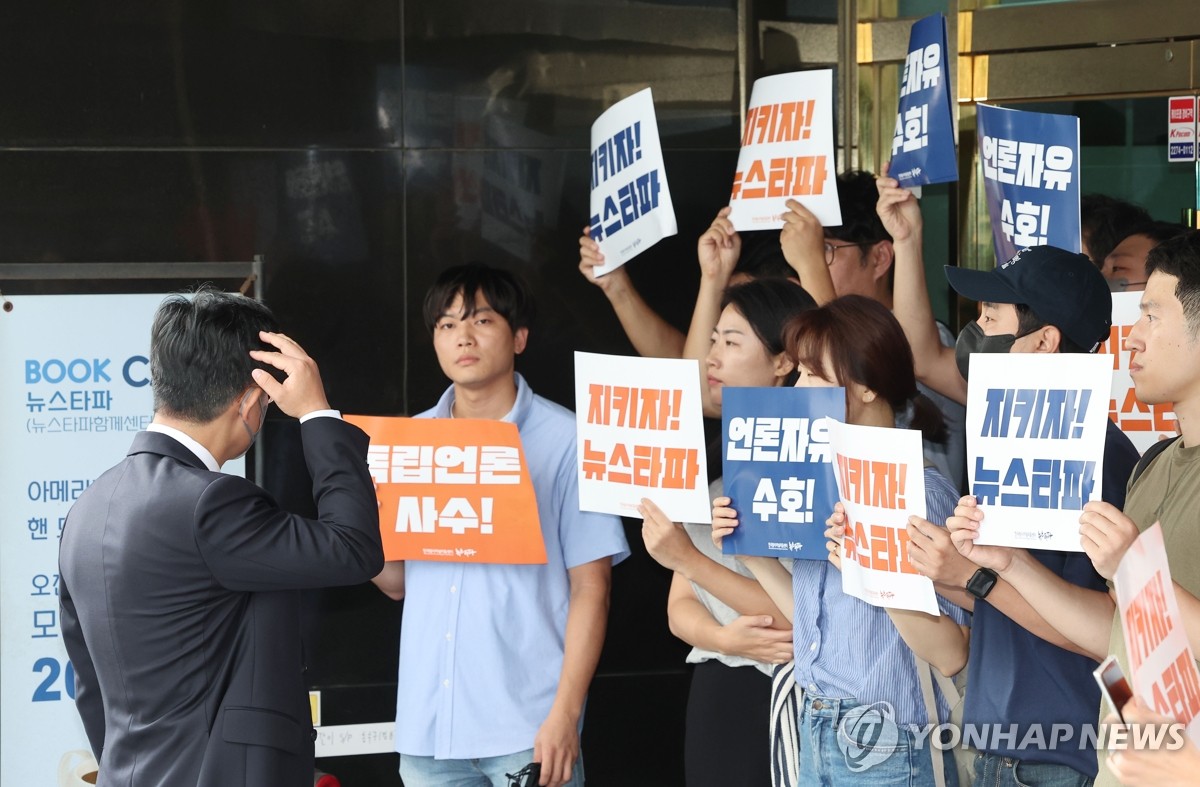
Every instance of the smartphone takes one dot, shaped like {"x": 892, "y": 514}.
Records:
{"x": 1113, "y": 685}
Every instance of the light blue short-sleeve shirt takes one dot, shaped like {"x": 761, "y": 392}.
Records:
{"x": 481, "y": 645}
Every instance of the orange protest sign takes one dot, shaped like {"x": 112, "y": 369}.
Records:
{"x": 452, "y": 489}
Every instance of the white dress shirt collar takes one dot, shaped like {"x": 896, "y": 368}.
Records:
{"x": 189, "y": 443}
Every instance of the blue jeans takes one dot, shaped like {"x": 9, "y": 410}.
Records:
{"x": 482, "y": 772}
{"x": 844, "y": 743}
{"x": 994, "y": 770}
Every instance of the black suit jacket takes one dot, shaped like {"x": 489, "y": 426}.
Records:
{"x": 181, "y": 609}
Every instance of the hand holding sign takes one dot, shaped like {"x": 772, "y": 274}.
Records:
{"x": 591, "y": 258}
{"x": 898, "y": 209}
{"x": 932, "y": 552}
{"x": 719, "y": 248}
{"x": 666, "y": 541}
{"x": 1106, "y": 534}
{"x": 803, "y": 242}
{"x": 724, "y": 519}
{"x": 964, "y": 529}
{"x": 835, "y": 531}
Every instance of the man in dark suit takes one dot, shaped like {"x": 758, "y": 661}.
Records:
{"x": 179, "y": 585}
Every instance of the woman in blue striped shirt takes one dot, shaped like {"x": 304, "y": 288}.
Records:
{"x": 862, "y": 719}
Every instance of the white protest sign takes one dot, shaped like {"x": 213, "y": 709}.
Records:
{"x": 1160, "y": 659}
{"x": 1035, "y": 425}
{"x": 631, "y": 206}
{"x": 881, "y": 482}
{"x": 787, "y": 152}
{"x": 641, "y": 434}
{"x": 1143, "y": 424}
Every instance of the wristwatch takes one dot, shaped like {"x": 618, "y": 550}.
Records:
{"x": 981, "y": 583}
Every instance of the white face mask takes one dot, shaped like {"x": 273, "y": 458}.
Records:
{"x": 263, "y": 403}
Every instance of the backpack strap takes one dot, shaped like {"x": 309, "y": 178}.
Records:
{"x": 926, "y": 675}
{"x": 1151, "y": 454}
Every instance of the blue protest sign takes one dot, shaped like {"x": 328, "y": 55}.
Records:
{"x": 778, "y": 468}
{"x": 1030, "y": 178}
{"x": 923, "y": 142}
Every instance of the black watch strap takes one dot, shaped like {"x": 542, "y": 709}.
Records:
{"x": 982, "y": 582}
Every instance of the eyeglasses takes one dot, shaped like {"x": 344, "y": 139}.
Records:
{"x": 831, "y": 250}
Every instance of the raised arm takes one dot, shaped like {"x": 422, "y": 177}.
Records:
{"x": 803, "y": 242}
{"x": 934, "y": 363}
{"x": 717, "y": 251}
{"x": 650, "y": 335}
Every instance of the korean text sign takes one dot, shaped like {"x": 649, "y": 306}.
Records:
{"x": 631, "y": 206}
{"x": 455, "y": 489}
{"x": 923, "y": 142}
{"x": 1035, "y": 444}
{"x": 881, "y": 482}
{"x": 1030, "y": 178}
{"x": 787, "y": 152}
{"x": 1160, "y": 659}
{"x": 1143, "y": 424}
{"x": 640, "y": 432}
{"x": 778, "y": 468}
{"x": 1181, "y": 128}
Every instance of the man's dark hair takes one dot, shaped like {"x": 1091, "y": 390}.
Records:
{"x": 199, "y": 351}
{"x": 1106, "y": 221}
{"x": 1028, "y": 321}
{"x": 857, "y": 196}
{"x": 1157, "y": 231}
{"x": 506, "y": 293}
{"x": 1180, "y": 257}
{"x": 762, "y": 257}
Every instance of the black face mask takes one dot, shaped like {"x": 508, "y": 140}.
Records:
{"x": 972, "y": 339}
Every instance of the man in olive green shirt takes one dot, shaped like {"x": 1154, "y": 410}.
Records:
{"x": 1165, "y": 366}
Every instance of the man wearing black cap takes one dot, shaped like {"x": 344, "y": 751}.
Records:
{"x": 1166, "y": 368}
{"x": 1023, "y": 676}
{"x": 1043, "y": 300}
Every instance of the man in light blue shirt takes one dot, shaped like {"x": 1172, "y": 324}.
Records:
{"x": 495, "y": 660}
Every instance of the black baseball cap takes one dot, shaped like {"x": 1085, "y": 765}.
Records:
{"x": 1063, "y": 288}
